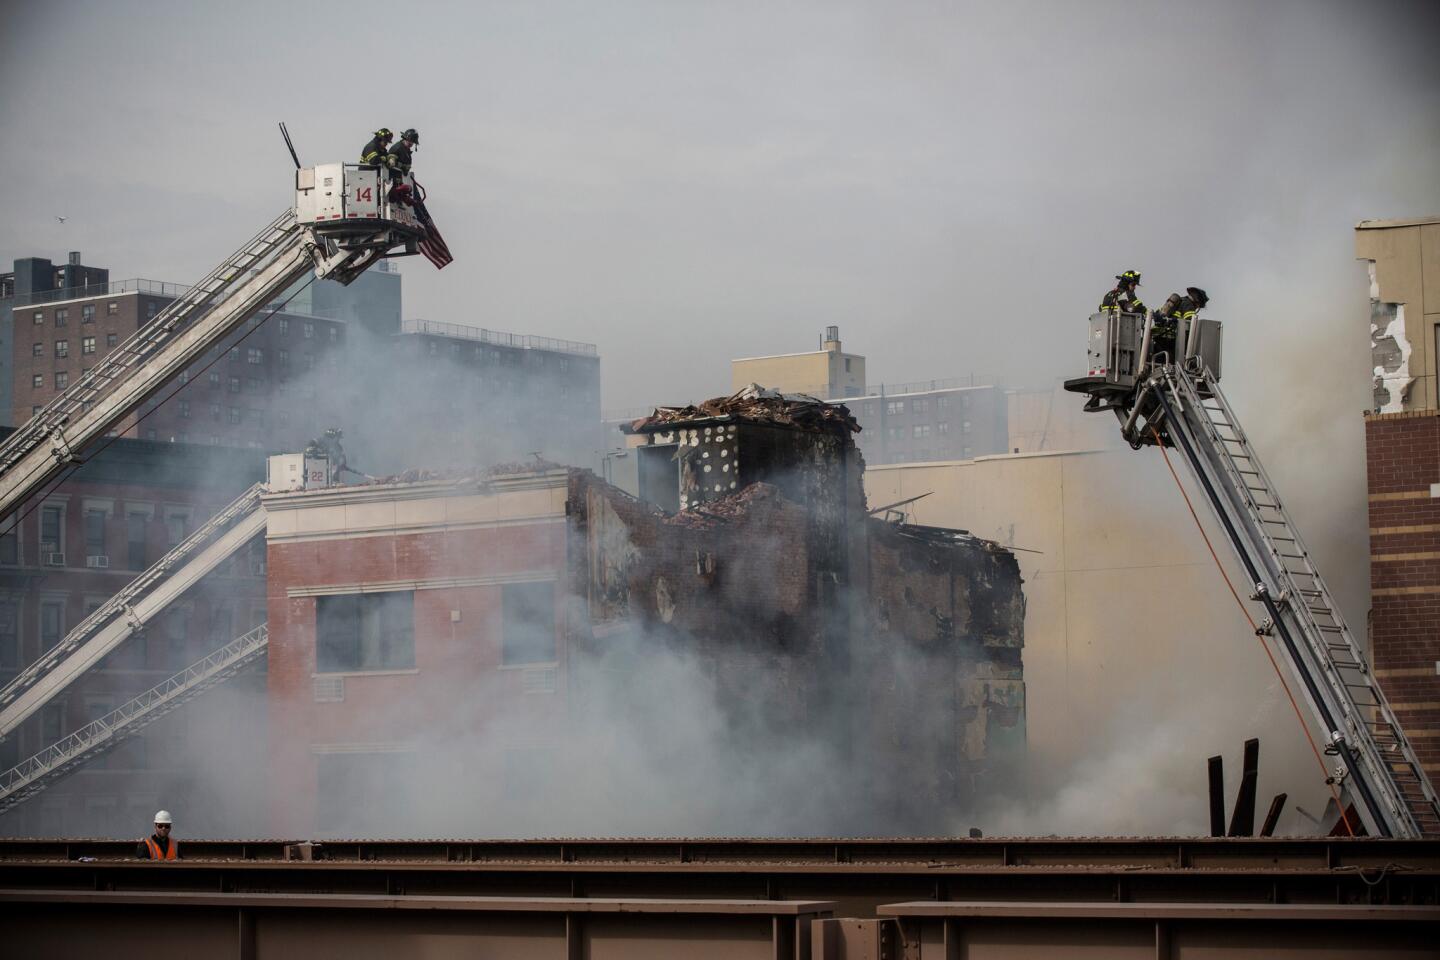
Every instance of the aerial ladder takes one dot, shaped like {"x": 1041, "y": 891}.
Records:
{"x": 345, "y": 219}
{"x": 1176, "y": 401}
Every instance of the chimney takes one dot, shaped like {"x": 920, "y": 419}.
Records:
{"x": 832, "y": 340}
{"x": 74, "y": 258}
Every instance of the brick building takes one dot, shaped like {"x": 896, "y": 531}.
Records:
{"x": 472, "y": 632}
{"x": 74, "y": 548}
{"x": 1402, "y": 445}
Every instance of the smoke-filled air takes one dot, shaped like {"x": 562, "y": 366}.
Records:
{"x": 1033, "y": 640}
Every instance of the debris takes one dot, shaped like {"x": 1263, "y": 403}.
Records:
{"x": 756, "y": 404}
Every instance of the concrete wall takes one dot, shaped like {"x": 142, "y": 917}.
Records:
{"x": 1132, "y": 641}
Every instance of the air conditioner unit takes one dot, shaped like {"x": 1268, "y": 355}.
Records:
{"x": 54, "y": 559}
{"x": 98, "y": 561}
{"x": 257, "y": 566}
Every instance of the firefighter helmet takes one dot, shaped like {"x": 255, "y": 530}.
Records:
{"x": 1199, "y": 296}
{"x": 1129, "y": 276}
{"x": 412, "y": 135}
{"x": 384, "y": 133}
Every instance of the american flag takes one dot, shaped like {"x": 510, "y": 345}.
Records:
{"x": 432, "y": 244}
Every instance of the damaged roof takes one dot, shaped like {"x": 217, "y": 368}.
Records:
{"x": 753, "y": 404}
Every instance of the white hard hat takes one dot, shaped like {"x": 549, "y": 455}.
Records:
{"x": 163, "y": 817}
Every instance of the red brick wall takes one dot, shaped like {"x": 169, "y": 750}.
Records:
{"x": 457, "y": 683}
{"x": 1402, "y": 461}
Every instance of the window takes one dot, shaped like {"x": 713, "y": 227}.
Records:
{"x": 111, "y": 339}
{"x": 9, "y": 635}
{"x": 87, "y": 313}
{"x": 943, "y": 403}
{"x": 920, "y": 405}
{"x": 283, "y": 356}
{"x": 234, "y": 384}
{"x": 112, "y": 308}
{"x": 184, "y": 409}
{"x": 37, "y": 380}
{"x": 62, "y": 380}
{"x": 284, "y": 325}
{"x": 254, "y": 356}
{"x": 52, "y": 618}
{"x": 151, "y": 434}
{"x": 847, "y": 364}
{"x": 252, "y": 384}
{"x": 95, "y": 533}
{"x": 151, "y": 309}
{"x": 37, "y": 350}
{"x": 528, "y": 628}
{"x": 215, "y": 411}
{"x": 38, "y": 316}
{"x": 62, "y": 349}
{"x": 234, "y": 414}
{"x": 922, "y": 430}
{"x": 942, "y": 427}
{"x": 434, "y": 347}
{"x": 365, "y": 631}
{"x": 177, "y": 630}
{"x": 184, "y": 377}
{"x": 177, "y": 524}
{"x": 234, "y": 353}
{"x": 9, "y": 546}
{"x": 895, "y": 433}
{"x": 309, "y": 330}
{"x": 309, "y": 361}
{"x": 52, "y": 722}
{"x": 62, "y": 316}
{"x": 965, "y": 451}
{"x": 135, "y": 526}
{"x": 87, "y": 345}
{"x": 335, "y": 337}
{"x": 895, "y": 407}
{"x": 872, "y": 409}
{"x": 965, "y": 426}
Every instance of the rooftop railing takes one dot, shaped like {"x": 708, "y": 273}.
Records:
{"x": 460, "y": 331}
{"x": 134, "y": 285}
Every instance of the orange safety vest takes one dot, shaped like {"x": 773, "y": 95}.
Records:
{"x": 155, "y": 852}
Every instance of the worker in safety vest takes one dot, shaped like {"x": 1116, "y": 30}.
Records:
{"x": 375, "y": 151}
{"x": 159, "y": 846}
{"x": 1123, "y": 298}
{"x": 1167, "y": 319}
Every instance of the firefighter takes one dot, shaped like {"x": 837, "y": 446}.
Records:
{"x": 1123, "y": 298}
{"x": 159, "y": 846}
{"x": 399, "y": 157}
{"x": 374, "y": 152}
{"x": 399, "y": 160}
{"x": 1167, "y": 319}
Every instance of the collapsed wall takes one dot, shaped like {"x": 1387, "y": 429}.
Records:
{"x": 899, "y": 645}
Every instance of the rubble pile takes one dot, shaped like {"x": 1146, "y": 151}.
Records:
{"x": 758, "y": 404}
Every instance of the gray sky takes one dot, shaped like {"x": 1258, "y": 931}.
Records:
{"x": 954, "y": 184}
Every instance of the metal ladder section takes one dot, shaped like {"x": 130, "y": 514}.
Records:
{"x": 98, "y": 737}
{"x": 1395, "y": 797}
{"x": 134, "y": 606}
{"x": 139, "y": 366}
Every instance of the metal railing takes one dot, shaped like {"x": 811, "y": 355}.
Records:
{"x": 159, "y": 288}
{"x": 519, "y": 341}
{"x": 21, "y": 781}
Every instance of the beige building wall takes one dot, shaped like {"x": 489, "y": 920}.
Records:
{"x": 1046, "y": 420}
{"x": 1130, "y": 631}
{"x": 1404, "y": 260}
{"x": 829, "y": 373}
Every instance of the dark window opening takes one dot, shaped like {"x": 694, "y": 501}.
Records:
{"x": 528, "y": 630}
{"x": 359, "y": 632}
{"x": 660, "y": 476}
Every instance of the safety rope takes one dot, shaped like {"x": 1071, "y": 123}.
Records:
{"x": 1259, "y": 636}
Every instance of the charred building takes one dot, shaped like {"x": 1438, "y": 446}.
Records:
{"x": 496, "y": 616}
